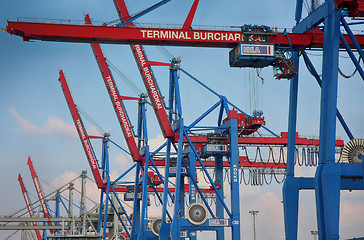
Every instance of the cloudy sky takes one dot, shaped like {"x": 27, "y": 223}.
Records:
{"x": 35, "y": 120}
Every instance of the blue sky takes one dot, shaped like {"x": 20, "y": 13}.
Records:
{"x": 35, "y": 120}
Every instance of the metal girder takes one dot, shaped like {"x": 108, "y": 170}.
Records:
{"x": 156, "y": 36}
{"x": 39, "y": 219}
{"x": 312, "y": 20}
{"x": 39, "y": 227}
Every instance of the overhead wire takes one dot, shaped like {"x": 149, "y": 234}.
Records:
{"x": 137, "y": 90}
{"x": 91, "y": 120}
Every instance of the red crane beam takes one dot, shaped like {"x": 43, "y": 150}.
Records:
{"x": 29, "y": 205}
{"x": 269, "y": 141}
{"x": 39, "y": 191}
{"x": 160, "y": 189}
{"x": 147, "y": 75}
{"x": 115, "y": 99}
{"x": 157, "y": 36}
{"x": 86, "y": 144}
{"x": 243, "y": 162}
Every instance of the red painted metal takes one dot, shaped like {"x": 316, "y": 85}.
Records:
{"x": 147, "y": 75}
{"x": 39, "y": 192}
{"x": 356, "y": 7}
{"x": 157, "y": 36}
{"x": 261, "y": 141}
{"x": 29, "y": 206}
{"x": 81, "y": 131}
{"x": 160, "y": 189}
{"x": 191, "y": 14}
{"x": 243, "y": 162}
{"x": 115, "y": 99}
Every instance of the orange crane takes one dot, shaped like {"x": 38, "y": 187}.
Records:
{"x": 29, "y": 205}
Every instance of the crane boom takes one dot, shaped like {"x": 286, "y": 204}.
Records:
{"x": 39, "y": 191}
{"x": 81, "y": 131}
{"x": 159, "y": 36}
{"x": 29, "y": 205}
{"x": 115, "y": 99}
{"x": 147, "y": 75}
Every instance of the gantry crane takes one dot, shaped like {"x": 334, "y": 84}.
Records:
{"x": 29, "y": 204}
{"x": 305, "y": 36}
{"x": 39, "y": 192}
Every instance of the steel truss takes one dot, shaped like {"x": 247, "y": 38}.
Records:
{"x": 330, "y": 177}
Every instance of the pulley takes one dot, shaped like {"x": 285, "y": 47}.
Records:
{"x": 353, "y": 151}
{"x": 156, "y": 224}
{"x": 197, "y": 213}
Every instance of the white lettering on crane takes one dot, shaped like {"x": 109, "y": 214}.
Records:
{"x": 119, "y": 108}
{"x": 40, "y": 195}
{"x": 86, "y": 144}
{"x": 187, "y": 35}
{"x": 235, "y": 173}
{"x": 148, "y": 79}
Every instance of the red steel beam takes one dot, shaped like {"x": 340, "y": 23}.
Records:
{"x": 160, "y": 189}
{"x": 156, "y": 36}
{"x": 115, "y": 98}
{"x": 264, "y": 140}
{"x": 147, "y": 75}
{"x": 86, "y": 144}
{"x": 39, "y": 191}
{"x": 29, "y": 205}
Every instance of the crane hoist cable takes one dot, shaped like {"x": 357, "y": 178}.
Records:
{"x": 351, "y": 75}
{"x": 91, "y": 120}
{"x": 127, "y": 80}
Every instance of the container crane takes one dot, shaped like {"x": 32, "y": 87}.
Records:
{"x": 312, "y": 38}
{"x": 29, "y": 205}
{"x": 82, "y": 132}
{"x": 39, "y": 192}
{"x": 147, "y": 75}
{"x": 116, "y": 99}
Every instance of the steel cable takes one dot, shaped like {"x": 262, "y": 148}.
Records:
{"x": 271, "y": 177}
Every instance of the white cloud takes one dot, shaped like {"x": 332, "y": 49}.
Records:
{"x": 53, "y": 125}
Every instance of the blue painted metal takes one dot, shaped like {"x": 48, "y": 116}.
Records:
{"x": 330, "y": 177}
{"x": 312, "y": 20}
{"x": 352, "y": 37}
{"x": 219, "y": 180}
{"x": 319, "y": 81}
{"x": 142, "y": 13}
{"x": 176, "y": 226}
{"x": 290, "y": 186}
{"x": 351, "y": 55}
{"x": 124, "y": 173}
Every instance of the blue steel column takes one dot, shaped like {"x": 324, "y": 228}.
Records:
{"x": 164, "y": 228}
{"x": 136, "y": 206}
{"x": 107, "y": 169}
{"x": 219, "y": 179}
{"x": 234, "y": 176}
{"x": 327, "y": 178}
{"x": 176, "y": 226}
{"x": 144, "y": 210}
{"x": 192, "y": 188}
{"x": 291, "y": 184}
{"x": 58, "y": 200}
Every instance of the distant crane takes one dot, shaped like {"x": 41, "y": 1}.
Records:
{"x": 29, "y": 205}
{"x": 39, "y": 192}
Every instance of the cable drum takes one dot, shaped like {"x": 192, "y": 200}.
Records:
{"x": 197, "y": 213}
{"x": 156, "y": 224}
{"x": 353, "y": 151}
